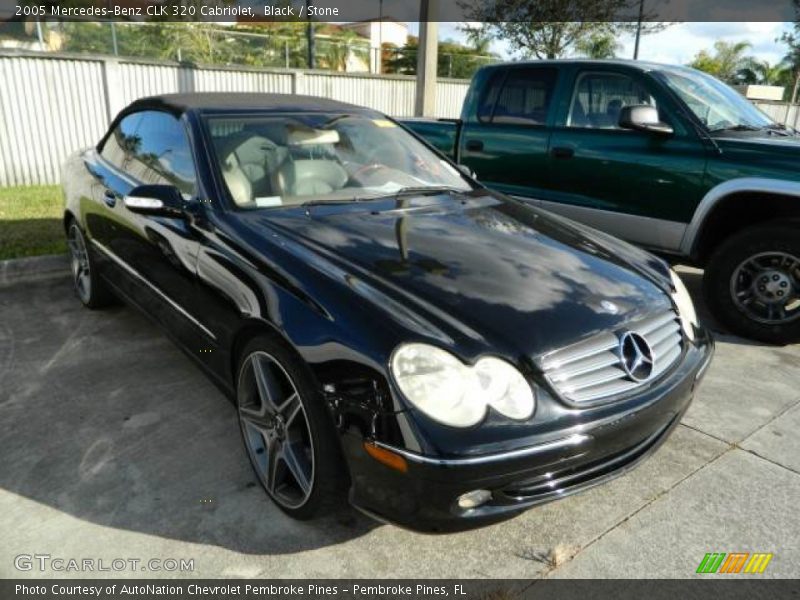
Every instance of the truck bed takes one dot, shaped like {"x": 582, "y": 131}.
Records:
{"x": 441, "y": 133}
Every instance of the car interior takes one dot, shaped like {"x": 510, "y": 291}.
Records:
{"x": 281, "y": 162}
{"x": 599, "y": 100}
{"x": 300, "y": 163}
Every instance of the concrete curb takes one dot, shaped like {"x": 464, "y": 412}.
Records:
{"x": 16, "y": 270}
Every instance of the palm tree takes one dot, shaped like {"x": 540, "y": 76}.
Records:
{"x": 598, "y": 45}
{"x": 727, "y": 61}
{"x": 731, "y": 58}
{"x": 761, "y": 72}
{"x": 479, "y": 38}
{"x": 341, "y": 47}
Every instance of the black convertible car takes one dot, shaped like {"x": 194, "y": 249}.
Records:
{"x": 388, "y": 327}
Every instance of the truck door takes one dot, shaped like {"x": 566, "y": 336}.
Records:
{"x": 506, "y": 141}
{"x": 637, "y": 185}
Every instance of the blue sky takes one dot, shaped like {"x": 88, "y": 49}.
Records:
{"x": 677, "y": 44}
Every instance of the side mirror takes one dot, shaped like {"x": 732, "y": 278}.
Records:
{"x": 157, "y": 200}
{"x": 643, "y": 118}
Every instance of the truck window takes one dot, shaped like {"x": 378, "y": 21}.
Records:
{"x": 524, "y": 98}
{"x": 600, "y": 97}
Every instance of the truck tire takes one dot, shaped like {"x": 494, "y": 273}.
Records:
{"x": 752, "y": 283}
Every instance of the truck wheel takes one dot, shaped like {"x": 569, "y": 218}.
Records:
{"x": 752, "y": 283}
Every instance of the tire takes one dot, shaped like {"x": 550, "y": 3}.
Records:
{"x": 273, "y": 435}
{"x": 90, "y": 288}
{"x": 752, "y": 283}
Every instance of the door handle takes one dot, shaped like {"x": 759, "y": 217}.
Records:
{"x": 474, "y": 145}
{"x": 563, "y": 152}
{"x": 110, "y": 198}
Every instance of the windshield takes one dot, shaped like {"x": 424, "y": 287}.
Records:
{"x": 717, "y": 105}
{"x": 269, "y": 161}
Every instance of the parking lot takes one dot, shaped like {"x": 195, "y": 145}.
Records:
{"x": 116, "y": 446}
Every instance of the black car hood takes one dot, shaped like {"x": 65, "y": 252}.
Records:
{"x": 482, "y": 268}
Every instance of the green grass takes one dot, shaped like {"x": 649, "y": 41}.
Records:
{"x": 30, "y": 221}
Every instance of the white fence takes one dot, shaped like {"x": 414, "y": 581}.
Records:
{"x": 53, "y": 105}
{"x": 781, "y": 112}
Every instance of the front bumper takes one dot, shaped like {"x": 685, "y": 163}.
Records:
{"x": 425, "y": 496}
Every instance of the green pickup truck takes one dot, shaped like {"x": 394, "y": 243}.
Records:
{"x": 665, "y": 157}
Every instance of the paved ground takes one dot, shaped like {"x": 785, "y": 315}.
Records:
{"x": 115, "y": 446}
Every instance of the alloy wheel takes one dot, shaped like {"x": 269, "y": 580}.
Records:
{"x": 79, "y": 262}
{"x": 766, "y": 287}
{"x": 276, "y": 430}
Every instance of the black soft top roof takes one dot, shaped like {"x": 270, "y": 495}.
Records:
{"x": 180, "y": 103}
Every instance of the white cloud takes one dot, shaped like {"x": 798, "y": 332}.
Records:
{"x": 681, "y": 42}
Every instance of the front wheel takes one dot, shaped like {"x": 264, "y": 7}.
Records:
{"x": 288, "y": 435}
{"x": 752, "y": 283}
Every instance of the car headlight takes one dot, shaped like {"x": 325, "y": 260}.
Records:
{"x": 455, "y": 394}
{"x": 685, "y": 306}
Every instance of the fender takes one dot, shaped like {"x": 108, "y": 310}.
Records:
{"x": 724, "y": 190}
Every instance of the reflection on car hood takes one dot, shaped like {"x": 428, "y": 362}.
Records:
{"x": 517, "y": 278}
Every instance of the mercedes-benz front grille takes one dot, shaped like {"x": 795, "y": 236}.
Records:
{"x": 596, "y": 369}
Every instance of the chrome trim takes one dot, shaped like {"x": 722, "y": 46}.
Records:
{"x": 142, "y": 203}
{"x": 592, "y": 370}
{"x": 719, "y": 192}
{"x": 575, "y": 439}
{"x": 130, "y": 270}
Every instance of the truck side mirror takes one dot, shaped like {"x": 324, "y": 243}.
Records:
{"x": 643, "y": 118}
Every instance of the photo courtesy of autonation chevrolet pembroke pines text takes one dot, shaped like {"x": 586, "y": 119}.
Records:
{"x": 391, "y": 299}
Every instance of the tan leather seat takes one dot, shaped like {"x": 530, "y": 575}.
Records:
{"x": 310, "y": 177}
{"x": 237, "y": 181}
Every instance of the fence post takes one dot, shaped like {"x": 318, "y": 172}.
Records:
{"x": 112, "y": 85}
{"x": 298, "y": 82}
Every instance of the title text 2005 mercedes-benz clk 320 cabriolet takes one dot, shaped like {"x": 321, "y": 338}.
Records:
{"x": 388, "y": 328}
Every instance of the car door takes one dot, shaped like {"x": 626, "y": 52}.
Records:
{"x": 636, "y": 185}
{"x": 154, "y": 257}
{"x": 505, "y": 143}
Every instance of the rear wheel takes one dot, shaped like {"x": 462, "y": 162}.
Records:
{"x": 89, "y": 287}
{"x": 287, "y": 432}
{"x": 752, "y": 283}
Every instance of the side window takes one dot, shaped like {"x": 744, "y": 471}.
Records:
{"x": 600, "y": 97}
{"x": 122, "y": 142}
{"x": 525, "y": 97}
{"x": 161, "y": 153}
{"x": 488, "y": 96}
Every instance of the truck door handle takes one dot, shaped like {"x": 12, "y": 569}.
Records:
{"x": 562, "y": 152}
{"x": 110, "y": 198}
{"x": 474, "y": 145}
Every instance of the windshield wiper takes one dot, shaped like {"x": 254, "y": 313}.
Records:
{"x": 738, "y": 127}
{"x": 321, "y": 202}
{"x": 424, "y": 190}
{"x": 779, "y": 129}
